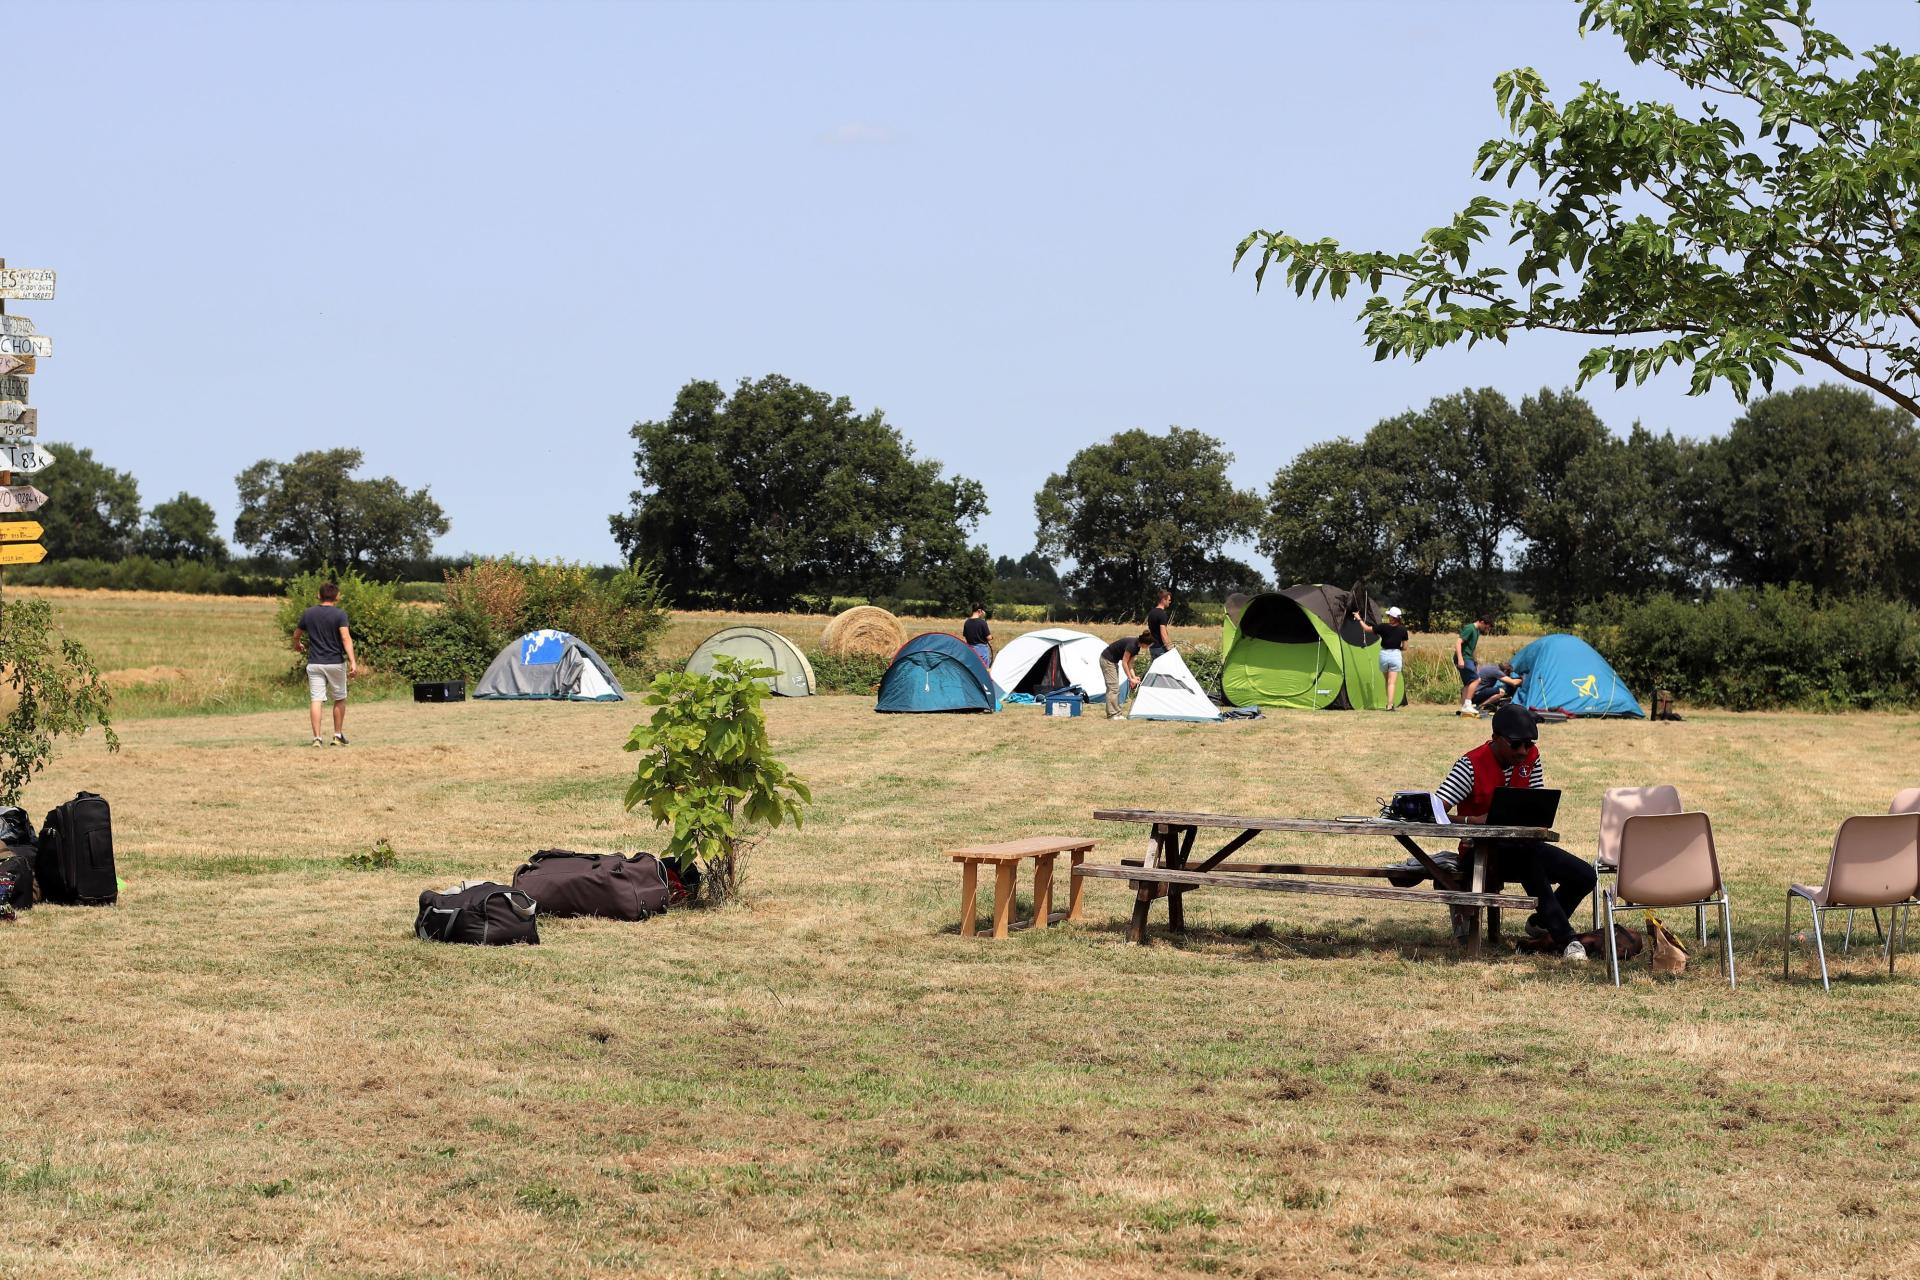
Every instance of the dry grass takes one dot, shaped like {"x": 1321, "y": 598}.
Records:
{"x": 250, "y": 1069}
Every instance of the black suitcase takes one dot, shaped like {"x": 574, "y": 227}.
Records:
{"x": 74, "y": 866}
{"x": 595, "y": 884}
{"x": 440, "y": 691}
{"x": 481, "y": 915}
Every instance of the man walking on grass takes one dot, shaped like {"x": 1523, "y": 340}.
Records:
{"x": 323, "y": 634}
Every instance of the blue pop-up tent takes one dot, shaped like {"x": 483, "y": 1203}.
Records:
{"x": 1565, "y": 673}
{"x": 937, "y": 672}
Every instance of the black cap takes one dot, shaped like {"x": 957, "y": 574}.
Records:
{"x": 1515, "y": 722}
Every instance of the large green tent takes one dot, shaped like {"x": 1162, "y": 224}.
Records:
{"x": 1301, "y": 648}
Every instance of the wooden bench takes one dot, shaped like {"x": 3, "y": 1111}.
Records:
{"x": 1006, "y": 858}
{"x": 1164, "y": 872}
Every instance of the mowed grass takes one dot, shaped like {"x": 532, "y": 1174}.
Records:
{"x": 250, "y": 1068}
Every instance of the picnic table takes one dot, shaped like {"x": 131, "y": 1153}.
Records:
{"x": 1167, "y": 870}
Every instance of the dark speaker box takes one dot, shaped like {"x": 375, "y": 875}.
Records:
{"x": 440, "y": 691}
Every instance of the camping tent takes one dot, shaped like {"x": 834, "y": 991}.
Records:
{"x": 549, "y": 664}
{"x": 1041, "y": 661}
{"x": 937, "y": 672}
{"x": 1169, "y": 692}
{"x": 1565, "y": 673}
{"x": 762, "y": 648}
{"x": 1301, "y": 648}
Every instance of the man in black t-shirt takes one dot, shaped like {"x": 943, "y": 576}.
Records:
{"x": 1157, "y": 624}
{"x": 1115, "y": 659}
{"x": 323, "y": 634}
{"x": 978, "y": 635}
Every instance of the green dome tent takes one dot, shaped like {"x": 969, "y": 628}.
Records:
{"x": 1300, "y": 648}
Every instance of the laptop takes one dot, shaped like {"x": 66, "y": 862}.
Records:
{"x": 1523, "y": 807}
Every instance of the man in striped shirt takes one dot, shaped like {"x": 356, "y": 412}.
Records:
{"x": 1558, "y": 881}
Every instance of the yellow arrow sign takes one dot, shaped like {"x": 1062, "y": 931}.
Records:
{"x": 20, "y": 530}
{"x": 22, "y": 553}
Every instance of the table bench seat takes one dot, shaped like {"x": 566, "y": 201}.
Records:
{"x": 1266, "y": 882}
{"x": 1005, "y": 857}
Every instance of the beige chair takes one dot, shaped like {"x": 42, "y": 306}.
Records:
{"x": 1616, "y": 806}
{"x": 1668, "y": 860}
{"x": 1875, "y": 863}
{"x": 1907, "y": 801}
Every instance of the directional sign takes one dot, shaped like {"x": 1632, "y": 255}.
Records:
{"x": 17, "y": 411}
{"x": 31, "y": 346}
{"x": 21, "y": 497}
{"x": 22, "y": 553}
{"x": 25, "y": 459}
{"x": 18, "y": 326}
{"x": 29, "y": 284}
{"x": 20, "y": 530}
{"x": 15, "y": 364}
{"x": 13, "y": 388}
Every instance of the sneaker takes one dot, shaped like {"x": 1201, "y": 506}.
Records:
{"x": 318, "y": 743}
{"x": 1574, "y": 951}
{"x": 339, "y": 739}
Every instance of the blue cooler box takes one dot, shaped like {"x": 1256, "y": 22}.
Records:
{"x": 1063, "y": 704}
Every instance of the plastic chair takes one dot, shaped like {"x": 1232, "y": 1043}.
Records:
{"x": 1668, "y": 860}
{"x": 1875, "y": 863}
{"x": 1907, "y": 801}
{"x": 1616, "y": 806}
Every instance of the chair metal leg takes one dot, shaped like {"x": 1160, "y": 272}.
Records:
{"x": 1700, "y": 923}
{"x": 1820, "y": 947}
{"x": 1786, "y": 942}
{"x": 1726, "y": 934}
{"x": 1613, "y": 949}
{"x": 1846, "y": 941}
{"x": 1877, "y": 930}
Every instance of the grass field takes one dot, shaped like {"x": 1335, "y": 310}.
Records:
{"x": 249, "y": 1068}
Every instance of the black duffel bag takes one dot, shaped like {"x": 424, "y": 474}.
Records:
{"x": 481, "y": 915}
{"x": 18, "y": 853}
{"x": 595, "y": 884}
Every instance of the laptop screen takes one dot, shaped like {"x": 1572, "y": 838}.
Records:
{"x": 1523, "y": 807}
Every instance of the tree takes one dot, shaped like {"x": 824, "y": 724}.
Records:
{"x": 55, "y": 689}
{"x": 1600, "y": 515}
{"x": 92, "y": 511}
{"x": 1030, "y": 567}
{"x": 183, "y": 529}
{"x": 313, "y": 510}
{"x": 1820, "y": 485}
{"x": 1141, "y": 511}
{"x": 1779, "y": 222}
{"x": 781, "y": 490}
{"x": 1329, "y": 514}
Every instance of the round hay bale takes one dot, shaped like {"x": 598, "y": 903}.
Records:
{"x": 864, "y": 629}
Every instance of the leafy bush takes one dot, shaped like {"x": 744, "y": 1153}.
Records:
{"x": 618, "y": 614}
{"x": 1759, "y": 650}
{"x": 447, "y": 644}
{"x": 420, "y": 592}
{"x": 140, "y": 573}
{"x": 1205, "y": 661}
{"x": 706, "y": 769}
{"x": 55, "y": 689}
{"x": 381, "y": 626}
{"x": 1022, "y": 612}
{"x": 855, "y": 673}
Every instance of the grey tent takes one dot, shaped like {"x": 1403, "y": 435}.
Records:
{"x": 762, "y": 648}
{"x": 550, "y": 665}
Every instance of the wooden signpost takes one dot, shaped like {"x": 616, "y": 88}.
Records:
{"x": 18, "y": 417}
{"x": 18, "y": 498}
{"x": 15, "y": 364}
{"x": 25, "y": 458}
{"x": 35, "y": 345}
{"x": 20, "y": 530}
{"x": 28, "y": 284}
{"x": 22, "y": 553}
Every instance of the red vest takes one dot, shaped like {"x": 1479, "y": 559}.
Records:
{"x": 1487, "y": 775}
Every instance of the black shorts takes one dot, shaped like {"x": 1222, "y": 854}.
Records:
{"x": 1467, "y": 676}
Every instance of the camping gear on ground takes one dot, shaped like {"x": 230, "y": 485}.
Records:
{"x": 595, "y": 884}
{"x": 1565, "y": 673}
{"x": 16, "y": 878}
{"x": 937, "y": 671}
{"x": 74, "y": 865}
{"x": 478, "y": 913}
{"x": 1523, "y": 807}
{"x": 1669, "y": 953}
{"x": 548, "y": 664}
{"x": 763, "y": 648}
{"x": 440, "y": 691}
{"x": 1062, "y": 703}
{"x": 1043, "y": 662}
{"x": 1240, "y": 713}
{"x": 1663, "y": 705}
{"x": 1170, "y": 691}
{"x": 864, "y": 629}
{"x": 1302, "y": 648}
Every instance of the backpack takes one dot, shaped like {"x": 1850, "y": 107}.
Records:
{"x": 74, "y": 865}
{"x": 16, "y": 859}
{"x": 595, "y": 884}
{"x": 482, "y": 915}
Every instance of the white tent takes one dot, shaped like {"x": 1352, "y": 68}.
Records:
{"x": 1042, "y": 661}
{"x": 1169, "y": 692}
{"x": 762, "y": 648}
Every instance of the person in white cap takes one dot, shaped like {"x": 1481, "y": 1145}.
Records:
{"x": 1393, "y": 644}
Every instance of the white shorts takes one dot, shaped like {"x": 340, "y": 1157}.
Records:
{"x": 327, "y": 680}
{"x": 1390, "y": 659}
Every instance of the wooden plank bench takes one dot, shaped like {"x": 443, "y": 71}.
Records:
{"x": 1164, "y": 871}
{"x": 1006, "y": 858}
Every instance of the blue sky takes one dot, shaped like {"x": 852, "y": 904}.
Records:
{"x": 479, "y": 240}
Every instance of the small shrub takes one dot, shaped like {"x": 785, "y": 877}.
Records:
{"x": 381, "y": 626}
{"x": 706, "y": 769}
{"x": 55, "y": 689}
{"x": 448, "y": 644}
{"x": 856, "y": 673}
{"x": 379, "y": 855}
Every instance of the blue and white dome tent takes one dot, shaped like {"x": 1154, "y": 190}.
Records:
{"x": 1565, "y": 673}
{"x": 548, "y": 665}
